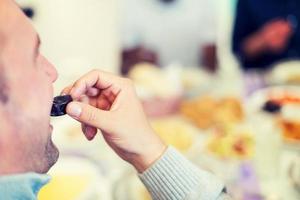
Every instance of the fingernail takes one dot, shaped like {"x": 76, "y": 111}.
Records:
{"x": 89, "y": 135}
{"x": 74, "y": 110}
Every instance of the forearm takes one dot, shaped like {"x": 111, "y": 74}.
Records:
{"x": 173, "y": 177}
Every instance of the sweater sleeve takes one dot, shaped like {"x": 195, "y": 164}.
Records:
{"x": 173, "y": 177}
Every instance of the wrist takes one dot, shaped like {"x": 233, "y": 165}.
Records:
{"x": 149, "y": 155}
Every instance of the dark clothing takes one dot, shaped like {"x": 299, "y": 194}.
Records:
{"x": 252, "y": 15}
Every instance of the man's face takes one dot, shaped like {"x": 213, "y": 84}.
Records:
{"x": 29, "y": 77}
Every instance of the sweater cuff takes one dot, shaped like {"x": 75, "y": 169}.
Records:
{"x": 173, "y": 177}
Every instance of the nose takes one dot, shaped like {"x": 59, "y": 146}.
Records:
{"x": 50, "y": 70}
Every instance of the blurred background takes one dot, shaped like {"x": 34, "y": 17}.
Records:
{"x": 219, "y": 80}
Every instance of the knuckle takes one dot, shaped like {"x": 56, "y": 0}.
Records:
{"x": 77, "y": 83}
{"x": 91, "y": 116}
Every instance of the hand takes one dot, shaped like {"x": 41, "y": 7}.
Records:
{"x": 273, "y": 37}
{"x": 109, "y": 103}
{"x": 276, "y": 35}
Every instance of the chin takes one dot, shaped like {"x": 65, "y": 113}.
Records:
{"x": 51, "y": 156}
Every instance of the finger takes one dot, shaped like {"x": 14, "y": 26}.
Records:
{"x": 93, "y": 92}
{"x": 90, "y": 115}
{"x": 100, "y": 80}
{"x": 103, "y": 103}
{"x": 89, "y": 131}
{"x": 84, "y": 99}
{"x": 66, "y": 90}
{"x": 109, "y": 95}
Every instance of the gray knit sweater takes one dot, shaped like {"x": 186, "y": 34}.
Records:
{"x": 173, "y": 177}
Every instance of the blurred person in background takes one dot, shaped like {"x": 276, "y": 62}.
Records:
{"x": 108, "y": 103}
{"x": 164, "y": 32}
{"x": 266, "y": 32}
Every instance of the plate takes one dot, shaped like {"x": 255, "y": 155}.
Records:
{"x": 285, "y": 73}
{"x": 289, "y": 98}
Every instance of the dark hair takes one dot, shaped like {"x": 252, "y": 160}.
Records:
{"x": 3, "y": 81}
{"x": 3, "y": 86}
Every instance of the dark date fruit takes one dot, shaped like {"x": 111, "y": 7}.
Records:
{"x": 272, "y": 107}
{"x": 60, "y": 104}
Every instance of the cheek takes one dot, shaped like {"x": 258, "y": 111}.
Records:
{"x": 36, "y": 98}
{"x": 44, "y": 79}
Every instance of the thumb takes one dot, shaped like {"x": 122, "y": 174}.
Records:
{"x": 89, "y": 115}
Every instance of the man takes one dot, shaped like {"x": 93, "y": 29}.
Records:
{"x": 25, "y": 96}
{"x": 266, "y": 32}
{"x": 111, "y": 105}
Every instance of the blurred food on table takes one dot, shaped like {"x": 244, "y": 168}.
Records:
{"x": 285, "y": 98}
{"x": 283, "y": 102}
{"x": 280, "y": 96}
{"x": 195, "y": 80}
{"x": 160, "y": 91}
{"x": 272, "y": 106}
{"x": 290, "y": 120}
{"x": 285, "y": 73}
{"x": 130, "y": 187}
{"x": 69, "y": 186}
{"x": 71, "y": 180}
{"x": 137, "y": 55}
{"x": 291, "y": 130}
{"x": 153, "y": 80}
{"x": 228, "y": 142}
{"x": 176, "y": 131}
{"x": 208, "y": 111}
